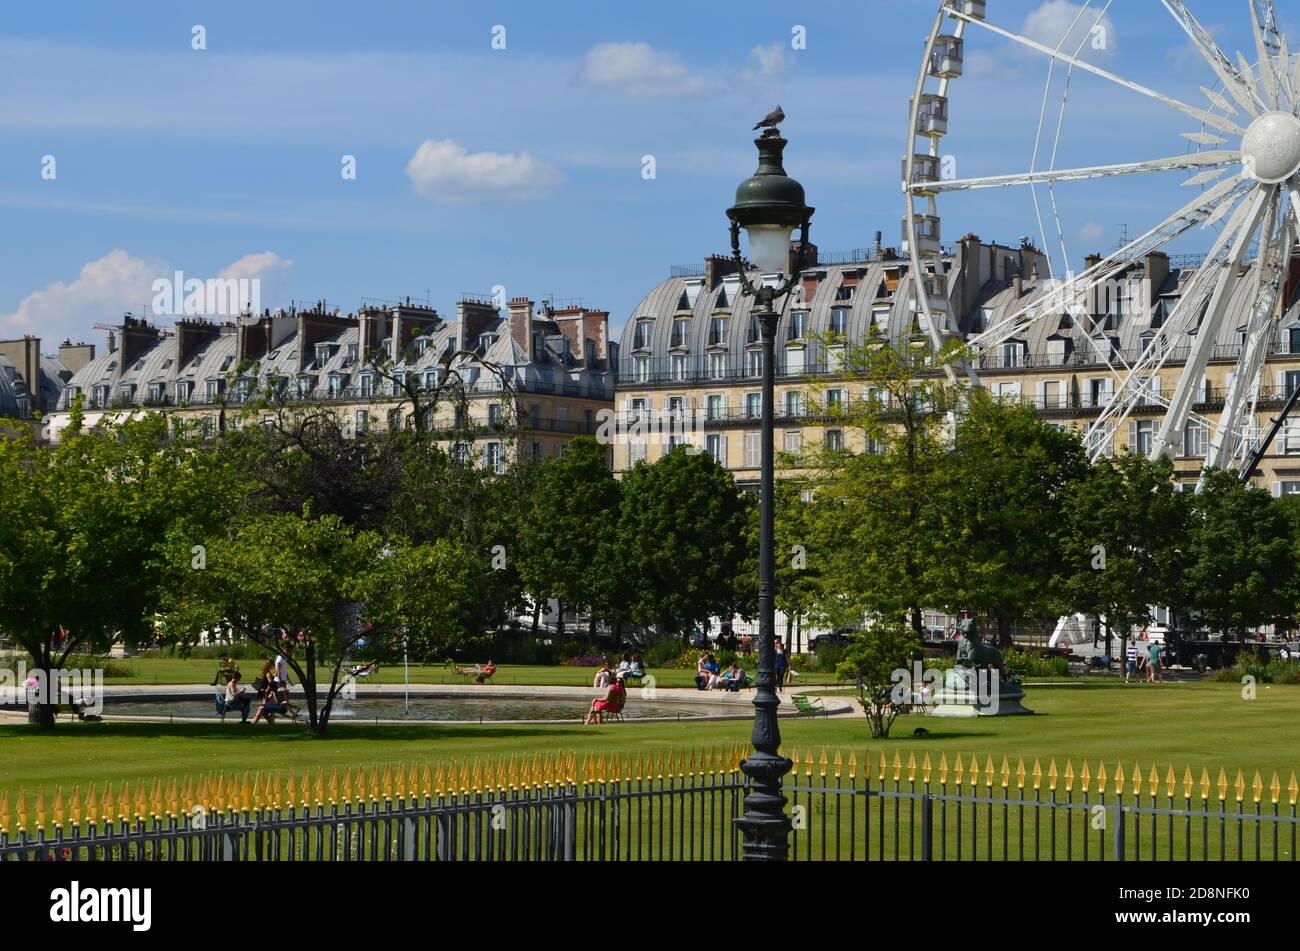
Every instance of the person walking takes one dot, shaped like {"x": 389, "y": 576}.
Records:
{"x": 1131, "y": 664}
{"x": 782, "y": 664}
{"x": 1154, "y": 673}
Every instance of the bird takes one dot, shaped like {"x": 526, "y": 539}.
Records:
{"x": 772, "y": 119}
{"x": 920, "y": 731}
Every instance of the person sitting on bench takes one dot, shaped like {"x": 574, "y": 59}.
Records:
{"x": 733, "y": 678}
{"x": 363, "y": 670}
{"x": 480, "y": 672}
{"x": 270, "y": 706}
{"x": 234, "y": 698}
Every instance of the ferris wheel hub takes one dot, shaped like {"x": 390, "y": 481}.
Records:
{"x": 1270, "y": 151}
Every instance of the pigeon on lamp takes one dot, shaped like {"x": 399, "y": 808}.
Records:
{"x": 772, "y": 119}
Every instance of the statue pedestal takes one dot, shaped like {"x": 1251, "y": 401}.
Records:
{"x": 968, "y": 693}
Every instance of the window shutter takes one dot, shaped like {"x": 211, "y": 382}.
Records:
{"x": 1132, "y": 435}
{"x": 722, "y": 453}
{"x": 1276, "y": 488}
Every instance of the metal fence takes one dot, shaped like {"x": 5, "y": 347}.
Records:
{"x": 666, "y": 807}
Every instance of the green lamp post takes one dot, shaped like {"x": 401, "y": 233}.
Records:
{"x": 769, "y": 206}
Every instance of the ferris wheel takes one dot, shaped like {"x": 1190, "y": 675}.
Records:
{"x": 1241, "y": 156}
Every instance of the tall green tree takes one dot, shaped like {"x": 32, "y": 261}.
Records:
{"x": 681, "y": 540}
{"x": 82, "y": 531}
{"x": 1125, "y": 542}
{"x": 1001, "y": 535}
{"x": 1240, "y": 560}
{"x": 565, "y": 528}
{"x": 322, "y": 588}
{"x": 876, "y": 527}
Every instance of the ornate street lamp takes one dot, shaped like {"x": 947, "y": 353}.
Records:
{"x": 769, "y": 206}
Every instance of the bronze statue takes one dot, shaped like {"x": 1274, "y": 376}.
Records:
{"x": 972, "y": 651}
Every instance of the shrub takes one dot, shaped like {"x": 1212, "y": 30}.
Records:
{"x": 827, "y": 658}
{"x": 871, "y": 661}
{"x": 111, "y": 667}
{"x": 666, "y": 652}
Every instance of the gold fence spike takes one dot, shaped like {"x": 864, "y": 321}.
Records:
{"x": 1119, "y": 780}
{"x": 925, "y": 769}
{"x": 1275, "y": 789}
{"x": 808, "y": 764}
{"x": 374, "y": 781}
{"x": 141, "y": 801}
{"x": 1101, "y": 777}
{"x": 124, "y": 801}
{"x": 74, "y": 806}
{"x": 1085, "y": 779}
{"x": 853, "y": 765}
{"x": 839, "y": 763}
{"x": 1170, "y": 782}
{"x": 973, "y": 777}
{"x": 959, "y": 771}
{"x": 1223, "y": 784}
{"x": 346, "y": 789}
{"x": 911, "y": 767}
{"x": 259, "y": 797}
{"x": 4, "y": 811}
{"x": 1292, "y": 789}
{"x": 1051, "y": 774}
{"x": 1257, "y": 787}
{"x": 1239, "y": 786}
{"x": 1136, "y": 780}
{"x": 279, "y": 801}
{"x": 40, "y": 807}
{"x": 1037, "y": 774}
{"x": 943, "y": 769}
{"x": 59, "y": 810}
{"x": 1069, "y": 774}
{"x": 898, "y": 766}
{"x": 92, "y": 808}
{"x": 388, "y": 782}
{"x": 988, "y": 772}
{"x": 824, "y": 762}
{"x": 1020, "y": 773}
{"x": 794, "y": 761}
{"x": 881, "y": 767}
{"x": 20, "y": 813}
{"x": 1205, "y": 783}
{"x": 1005, "y": 773}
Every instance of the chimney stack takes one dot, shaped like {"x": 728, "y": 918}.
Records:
{"x": 520, "y": 311}
{"x": 74, "y": 356}
{"x": 25, "y": 355}
{"x": 138, "y": 335}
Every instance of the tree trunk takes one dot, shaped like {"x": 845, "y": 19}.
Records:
{"x": 798, "y": 633}
{"x": 1108, "y": 640}
{"x": 916, "y": 620}
{"x": 559, "y": 623}
{"x": 591, "y": 624}
{"x": 537, "y": 615}
{"x": 40, "y": 713}
{"x": 1004, "y": 632}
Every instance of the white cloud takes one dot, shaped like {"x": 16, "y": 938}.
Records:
{"x": 108, "y": 286}
{"x": 1078, "y": 32}
{"x": 772, "y": 60}
{"x": 444, "y": 171}
{"x": 638, "y": 69}
{"x": 1092, "y": 232}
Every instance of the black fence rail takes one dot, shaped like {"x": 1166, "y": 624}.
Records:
{"x": 680, "y": 808}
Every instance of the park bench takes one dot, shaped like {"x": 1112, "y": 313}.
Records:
{"x": 803, "y": 705}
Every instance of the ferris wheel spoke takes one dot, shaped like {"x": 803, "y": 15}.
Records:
{"x": 1229, "y": 274}
{"x": 1218, "y": 60}
{"x": 1173, "y": 163}
{"x": 1267, "y": 45}
{"x": 1180, "y": 222}
{"x": 1209, "y": 118}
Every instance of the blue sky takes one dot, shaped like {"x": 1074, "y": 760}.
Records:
{"x": 522, "y": 166}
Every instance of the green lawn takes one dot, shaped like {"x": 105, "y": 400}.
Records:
{"x": 1195, "y": 724}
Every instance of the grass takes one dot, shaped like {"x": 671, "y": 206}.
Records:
{"x": 1184, "y": 725}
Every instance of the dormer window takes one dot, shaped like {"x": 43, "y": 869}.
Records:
{"x": 485, "y": 341}
{"x": 680, "y": 329}
{"x": 352, "y": 353}
{"x": 184, "y": 390}
{"x": 641, "y": 340}
{"x": 839, "y": 321}
{"x": 215, "y": 388}
{"x": 336, "y": 385}
{"x": 367, "y": 384}
{"x": 304, "y": 386}
{"x": 156, "y": 391}
{"x": 322, "y": 353}
{"x": 798, "y": 324}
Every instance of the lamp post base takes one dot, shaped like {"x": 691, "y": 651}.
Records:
{"x": 764, "y": 825}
